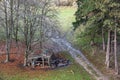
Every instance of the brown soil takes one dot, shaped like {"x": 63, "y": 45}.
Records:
{"x": 15, "y": 65}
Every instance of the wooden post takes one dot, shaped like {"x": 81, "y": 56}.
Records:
{"x": 33, "y": 63}
{"x": 43, "y": 61}
{"x": 49, "y": 61}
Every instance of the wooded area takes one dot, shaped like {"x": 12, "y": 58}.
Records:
{"x": 98, "y": 22}
{"x": 31, "y": 34}
{"x": 29, "y": 21}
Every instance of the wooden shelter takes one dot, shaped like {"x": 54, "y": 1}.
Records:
{"x": 40, "y": 59}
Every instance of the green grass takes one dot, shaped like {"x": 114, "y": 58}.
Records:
{"x": 71, "y": 72}
{"x": 66, "y": 17}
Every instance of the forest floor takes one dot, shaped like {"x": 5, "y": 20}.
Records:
{"x": 98, "y": 61}
{"x": 14, "y": 69}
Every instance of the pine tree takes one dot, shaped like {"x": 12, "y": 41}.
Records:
{"x": 100, "y": 17}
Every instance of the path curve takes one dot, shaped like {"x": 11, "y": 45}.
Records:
{"x": 80, "y": 58}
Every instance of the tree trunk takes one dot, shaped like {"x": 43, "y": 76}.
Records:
{"x": 25, "y": 58}
{"x": 41, "y": 29}
{"x": 11, "y": 18}
{"x": 7, "y": 50}
{"x": 103, "y": 40}
{"x": 108, "y": 51}
{"x": 25, "y": 34}
{"x": 17, "y": 24}
{"x": 7, "y": 34}
{"x": 115, "y": 51}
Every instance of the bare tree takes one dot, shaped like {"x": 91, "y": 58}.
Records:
{"x": 115, "y": 49}
{"x": 108, "y": 50}
{"x": 7, "y": 15}
{"x": 16, "y": 19}
{"x": 103, "y": 39}
{"x": 29, "y": 28}
{"x": 48, "y": 13}
{"x": 35, "y": 19}
{"x": 6, "y": 24}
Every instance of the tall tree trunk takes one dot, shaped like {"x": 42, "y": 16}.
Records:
{"x": 41, "y": 29}
{"x": 103, "y": 40}
{"x": 115, "y": 50}
{"x": 108, "y": 51}
{"x": 25, "y": 58}
{"x": 7, "y": 34}
{"x": 17, "y": 24}
{"x": 25, "y": 34}
{"x": 7, "y": 50}
{"x": 11, "y": 18}
{"x": 41, "y": 33}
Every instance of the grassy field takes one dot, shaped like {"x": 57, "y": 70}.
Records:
{"x": 66, "y": 17}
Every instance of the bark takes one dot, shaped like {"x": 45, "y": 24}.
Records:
{"x": 25, "y": 58}
{"x": 41, "y": 29}
{"x": 25, "y": 34}
{"x": 115, "y": 51}
{"x": 103, "y": 39}
{"x": 112, "y": 43}
{"x": 11, "y": 20}
{"x": 108, "y": 51}
{"x": 17, "y": 24}
{"x": 7, "y": 34}
{"x": 41, "y": 33}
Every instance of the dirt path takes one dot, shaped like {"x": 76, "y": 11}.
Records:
{"x": 89, "y": 68}
{"x": 80, "y": 59}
